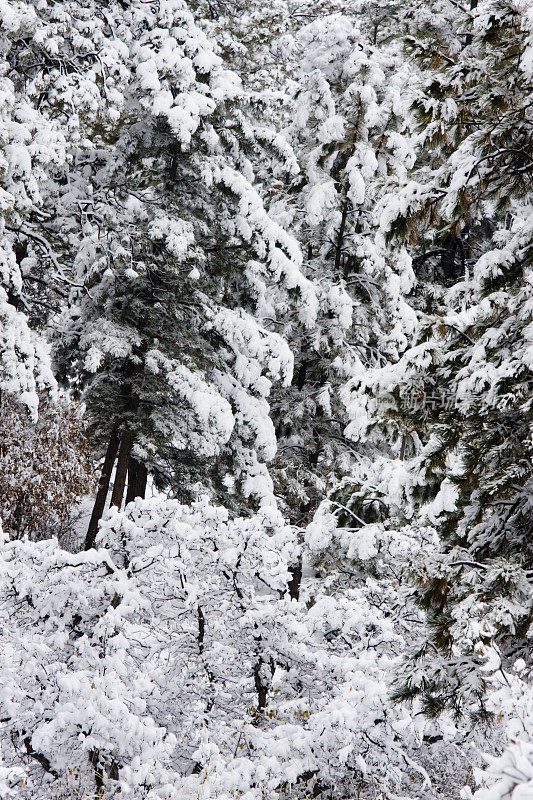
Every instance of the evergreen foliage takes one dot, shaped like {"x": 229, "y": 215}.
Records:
{"x": 460, "y": 395}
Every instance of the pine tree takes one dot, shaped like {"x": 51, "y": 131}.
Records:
{"x": 460, "y": 396}
{"x": 350, "y": 132}
{"x": 29, "y": 144}
{"x": 176, "y": 258}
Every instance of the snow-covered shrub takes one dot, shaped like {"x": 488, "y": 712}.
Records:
{"x": 172, "y": 663}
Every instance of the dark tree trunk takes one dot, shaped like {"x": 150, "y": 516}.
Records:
{"x": 302, "y": 372}
{"x": 260, "y": 687}
{"x": 137, "y": 477}
{"x": 43, "y": 761}
{"x": 295, "y": 581}
{"x": 340, "y": 236}
{"x": 126, "y": 443}
{"x": 103, "y": 488}
{"x": 94, "y": 758}
{"x": 469, "y": 37}
{"x": 133, "y": 477}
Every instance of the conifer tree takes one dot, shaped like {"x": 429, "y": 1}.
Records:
{"x": 29, "y": 144}
{"x": 176, "y": 259}
{"x": 460, "y": 396}
{"x": 350, "y": 132}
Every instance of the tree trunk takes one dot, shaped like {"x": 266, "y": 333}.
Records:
{"x": 133, "y": 476}
{"x": 103, "y": 488}
{"x": 94, "y": 758}
{"x": 137, "y": 477}
{"x": 126, "y": 443}
{"x": 469, "y": 36}
{"x": 260, "y": 686}
{"x": 296, "y": 579}
{"x": 340, "y": 236}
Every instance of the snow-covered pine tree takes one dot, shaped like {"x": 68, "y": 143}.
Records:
{"x": 29, "y": 145}
{"x": 177, "y": 660}
{"x": 461, "y": 395}
{"x": 176, "y": 259}
{"x": 350, "y": 132}
{"x": 250, "y": 36}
